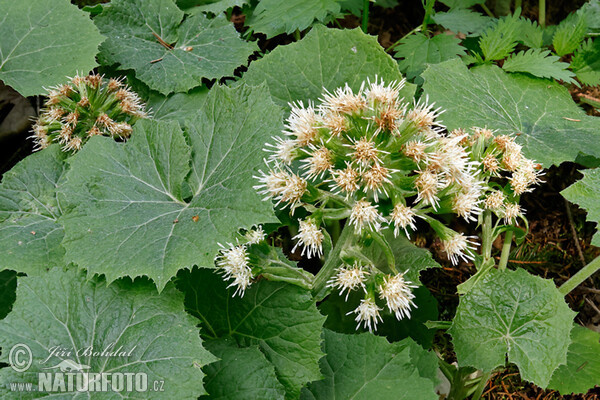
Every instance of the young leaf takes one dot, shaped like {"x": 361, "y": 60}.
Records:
{"x": 569, "y": 35}
{"x": 514, "y": 313}
{"x": 463, "y": 21}
{"x": 281, "y": 319}
{"x": 500, "y": 40}
{"x": 8, "y": 289}
{"x": 369, "y": 367}
{"x": 487, "y": 96}
{"x": 242, "y": 373}
{"x": 159, "y": 202}
{"x": 168, "y": 53}
{"x": 62, "y": 308}
{"x": 418, "y": 50}
{"x": 539, "y": 63}
{"x": 42, "y": 42}
{"x": 585, "y": 194}
{"x": 30, "y": 234}
{"x": 530, "y": 33}
{"x": 582, "y": 371}
{"x": 274, "y": 17}
{"x": 325, "y": 58}
{"x": 586, "y": 62}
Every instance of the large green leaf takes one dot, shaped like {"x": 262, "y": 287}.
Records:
{"x": 582, "y": 371}
{"x": 142, "y": 216}
{"x": 517, "y": 313}
{"x": 325, "y": 58}
{"x": 168, "y": 53}
{"x": 273, "y": 17}
{"x": 30, "y": 235}
{"x": 42, "y": 42}
{"x": 418, "y": 50}
{"x": 585, "y": 193}
{"x": 281, "y": 319}
{"x": 366, "y": 367}
{"x": 242, "y": 373}
{"x": 8, "y": 289}
{"x": 552, "y": 127}
{"x": 62, "y": 308}
{"x": 177, "y": 106}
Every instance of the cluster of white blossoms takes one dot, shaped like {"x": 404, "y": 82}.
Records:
{"x": 389, "y": 162}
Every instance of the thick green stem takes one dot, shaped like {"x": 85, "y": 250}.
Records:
{"x": 486, "y": 236}
{"x": 481, "y": 386}
{"x": 580, "y": 276}
{"x": 365, "y": 15}
{"x": 542, "y": 13}
{"x": 517, "y": 4}
{"x": 505, "y": 250}
{"x": 332, "y": 262}
{"x": 297, "y": 35}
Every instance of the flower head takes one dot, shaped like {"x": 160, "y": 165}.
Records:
{"x": 365, "y": 216}
{"x": 402, "y": 217}
{"x": 398, "y": 295}
{"x": 458, "y": 246}
{"x": 349, "y": 278}
{"x": 367, "y": 313}
{"x": 234, "y": 264}
{"x": 310, "y": 238}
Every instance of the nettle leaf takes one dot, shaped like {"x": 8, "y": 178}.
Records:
{"x": 552, "y": 127}
{"x": 530, "y": 33}
{"x": 142, "y": 216}
{"x": 274, "y": 17}
{"x": 517, "y": 313}
{"x": 539, "y": 63}
{"x": 8, "y": 290}
{"x": 242, "y": 373}
{"x": 582, "y": 371}
{"x": 325, "y": 58}
{"x": 167, "y": 54}
{"x": 42, "y": 42}
{"x": 281, "y": 319}
{"x": 369, "y": 367}
{"x": 585, "y": 194}
{"x": 462, "y": 20}
{"x": 62, "y": 308}
{"x": 586, "y": 62}
{"x": 418, "y": 50}
{"x": 500, "y": 40}
{"x": 569, "y": 35}
{"x": 30, "y": 234}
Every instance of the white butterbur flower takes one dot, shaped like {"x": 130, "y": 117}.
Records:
{"x": 398, "y": 295}
{"x": 467, "y": 204}
{"x": 424, "y": 116}
{"x": 367, "y": 313}
{"x": 310, "y": 238}
{"x": 349, "y": 278}
{"x": 283, "y": 150}
{"x": 428, "y": 185}
{"x": 378, "y": 92}
{"x": 318, "y": 163}
{"x": 281, "y": 186}
{"x": 344, "y": 100}
{"x": 234, "y": 264}
{"x": 495, "y": 201}
{"x": 403, "y": 217}
{"x": 459, "y": 246}
{"x": 511, "y": 212}
{"x": 302, "y": 123}
{"x": 364, "y": 215}
{"x": 255, "y": 236}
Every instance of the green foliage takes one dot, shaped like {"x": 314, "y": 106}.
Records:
{"x": 42, "y": 41}
{"x": 279, "y": 319}
{"x": 213, "y": 7}
{"x": 514, "y": 313}
{"x": 539, "y": 63}
{"x": 369, "y": 367}
{"x": 462, "y": 3}
{"x": 585, "y": 194}
{"x": 530, "y": 33}
{"x": 499, "y": 41}
{"x": 151, "y": 200}
{"x": 462, "y": 20}
{"x": 417, "y": 51}
{"x": 274, "y": 17}
{"x": 569, "y": 35}
{"x": 582, "y": 371}
{"x": 325, "y": 58}
{"x": 170, "y": 54}
{"x": 75, "y": 314}
{"x": 552, "y": 127}
{"x": 30, "y": 234}
{"x": 586, "y": 62}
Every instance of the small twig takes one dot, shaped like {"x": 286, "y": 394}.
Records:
{"x": 572, "y": 119}
{"x": 155, "y": 61}
{"x": 591, "y": 303}
{"x": 162, "y": 42}
{"x": 574, "y": 232}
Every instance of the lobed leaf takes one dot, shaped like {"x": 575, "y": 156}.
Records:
{"x": 499, "y": 41}
{"x": 514, "y": 313}
{"x": 462, "y": 20}
{"x": 569, "y": 35}
{"x": 586, "y": 62}
{"x": 585, "y": 194}
{"x": 552, "y": 127}
{"x": 162, "y": 201}
{"x": 539, "y": 63}
{"x": 62, "y": 308}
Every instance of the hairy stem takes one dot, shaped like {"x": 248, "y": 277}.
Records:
{"x": 365, "y": 15}
{"x": 332, "y": 262}
{"x": 580, "y": 276}
{"x": 486, "y": 236}
{"x": 505, "y": 250}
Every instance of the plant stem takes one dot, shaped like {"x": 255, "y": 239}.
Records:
{"x": 297, "y": 36}
{"x": 580, "y": 276}
{"x": 542, "y": 13}
{"x": 486, "y": 236}
{"x": 487, "y": 10}
{"x": 481, "y": 385}
{"x": 517, "y": 4}
{"x": 332, "y": 262}
{"x": 365, "y": 15}
{"x": 505, "y": 250}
